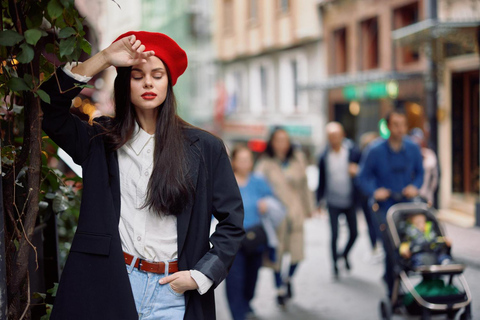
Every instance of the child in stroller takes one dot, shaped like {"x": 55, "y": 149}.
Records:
{"x": 422, "y": 244}
{"x": 426, "y": 280}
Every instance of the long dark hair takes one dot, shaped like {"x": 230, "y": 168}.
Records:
{"x": 269, "y": 149}
{"x": 170, "y": 185}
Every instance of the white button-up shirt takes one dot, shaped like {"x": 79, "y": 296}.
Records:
{"x": 143, "y": 233}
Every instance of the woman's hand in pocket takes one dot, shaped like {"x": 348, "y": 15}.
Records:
{"x": 180, "y": 281}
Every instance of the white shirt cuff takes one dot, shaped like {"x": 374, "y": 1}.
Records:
{"x": 67, "y": 68}
{"x": 203, "y": 282}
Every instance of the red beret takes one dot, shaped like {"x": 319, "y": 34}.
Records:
{"x": 165, "y": 48}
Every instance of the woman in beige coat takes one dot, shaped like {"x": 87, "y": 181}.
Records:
{"x": 284, "y": 169}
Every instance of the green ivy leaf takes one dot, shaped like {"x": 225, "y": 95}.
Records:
{"x": 60, "y": 23}
{"x": 66, "y": 32}
{"x": 83, "y": 86}
{"x": 54, "y": 9}
{"x": 86, "y": 46}
{"x": 67, "y": 46}
{"x": 17, "y": 84}
{"x": 53, "y": 291}
{"x": 43, "y": 95}
{"x": 38, "y": 295}
{"x": 27, "y": 53}
{"x": 32, "y": 36}
{"x": 67, "y": 3}
{"x": 34, "y": 15}
{"x": 17, "y": 244}
{"x": 10, "y": 38}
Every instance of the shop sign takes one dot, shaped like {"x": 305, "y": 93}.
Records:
{"x": 371, "y": 91}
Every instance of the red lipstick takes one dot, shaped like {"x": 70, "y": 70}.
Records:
{"x": 149, "y": 96}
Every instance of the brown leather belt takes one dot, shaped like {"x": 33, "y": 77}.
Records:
{"x": 155, "y": 267}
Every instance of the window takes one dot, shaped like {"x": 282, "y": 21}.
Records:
{"x": 369, "y": 44}
{"x": 403, "y": 17}
{"x": 339, "y": 54}
{"x": 264, "y": 87}
{"x": 294, "y": 66}
{"x": 253, "y": 11}
{"x": 228, "y": 17}
{"x": 284, "y": 5}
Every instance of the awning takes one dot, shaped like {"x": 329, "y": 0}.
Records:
{"x": 463, "y": 33}
{"x": 339, "y": 81}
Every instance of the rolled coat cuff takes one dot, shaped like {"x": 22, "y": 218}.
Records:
{"x": 67, "y": 68}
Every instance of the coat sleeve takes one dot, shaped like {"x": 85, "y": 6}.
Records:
{"x": 366, "y": 176}
{"x": 227, "y": 208}
{"x": 321, "y": 179}
{"x": 67, "y": 130}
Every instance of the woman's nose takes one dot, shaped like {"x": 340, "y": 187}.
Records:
{"x": 148, "y": 82}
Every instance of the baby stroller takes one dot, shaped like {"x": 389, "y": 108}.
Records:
{"x": 405, "y": 296}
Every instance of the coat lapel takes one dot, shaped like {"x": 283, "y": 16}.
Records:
{"x": 183, "y": 219}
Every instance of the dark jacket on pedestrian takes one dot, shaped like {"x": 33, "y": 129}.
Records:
{"x": 354, "y": 156}
{"x": 94, "y": 282}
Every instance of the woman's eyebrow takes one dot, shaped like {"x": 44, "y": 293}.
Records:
{"x": 158, "y": 69}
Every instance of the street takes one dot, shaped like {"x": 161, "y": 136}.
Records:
{"x": 355, "y": 295}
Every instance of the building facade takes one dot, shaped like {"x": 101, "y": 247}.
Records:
{"x": 422, "y": 55}
{"x": 368, "y": 75}
{"x": 267, "y": 52}
{"x": 190, "y": 24}
{"x": 451, "y": 35}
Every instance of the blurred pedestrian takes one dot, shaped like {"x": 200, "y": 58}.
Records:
{"x": 430, "y": 166}
{"x": 284, "y": 168}
{"x": 143, "y": 248}
{"x": 391, "y": 172}
{"x": 366, "y": 141}
{"x": 255, "y": 191}
{"x": 338, "y": 166}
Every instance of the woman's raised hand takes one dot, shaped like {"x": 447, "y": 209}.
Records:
{"x": 126, "y": 52}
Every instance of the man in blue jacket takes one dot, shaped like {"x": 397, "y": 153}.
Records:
{"x": 391, "y": 172}
{"x": 338, "y": 166}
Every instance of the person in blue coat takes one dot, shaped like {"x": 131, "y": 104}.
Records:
{"x": 151, "y": 183}
{"x": 391, "y": 172}
{"x": 255, "y": 191}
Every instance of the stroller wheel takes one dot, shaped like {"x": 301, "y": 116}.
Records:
{"x": 385, "y": 309}
{"x": 426, "y": 314}
{"x": 466, "y": 315}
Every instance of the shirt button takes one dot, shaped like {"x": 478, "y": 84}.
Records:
{"x": 139, "y": 238}
{"x": 146, "y": 173}
{"x": 149, "y": 150}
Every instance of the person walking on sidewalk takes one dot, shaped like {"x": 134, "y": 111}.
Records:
{"x": 257, "y": 199}
{"x": 151, "y": 184}
{"x": 391, "y": 172}
{"x": 338, "y": 166}
{"x": 284, "y": 168}
{"x": 367, "y": 140}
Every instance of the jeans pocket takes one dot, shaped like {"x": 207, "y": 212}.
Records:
{"x": 173, "y": 291}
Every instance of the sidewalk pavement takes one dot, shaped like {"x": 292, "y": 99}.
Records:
{"x": 465, "y": 243}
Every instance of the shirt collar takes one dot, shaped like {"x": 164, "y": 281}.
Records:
{"x": 140, "y": 138}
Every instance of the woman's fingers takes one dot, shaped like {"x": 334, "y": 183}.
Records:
{"x": 132, "y": 39}
{"x": 141, "y": 48}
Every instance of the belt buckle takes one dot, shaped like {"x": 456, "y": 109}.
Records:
{"x": 139, "y": 263}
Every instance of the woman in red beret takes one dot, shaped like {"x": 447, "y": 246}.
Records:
{"x": 142, "y": 248}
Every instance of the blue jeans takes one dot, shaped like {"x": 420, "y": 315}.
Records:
{"x": 153, "y": 300}
{"x": 241, "y": 281}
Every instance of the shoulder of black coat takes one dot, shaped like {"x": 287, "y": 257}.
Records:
{"x": 197, "y": 135}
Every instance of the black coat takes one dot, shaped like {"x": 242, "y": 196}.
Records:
{"x": 94, "y": 282}
{"x": 354, "y": 156}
